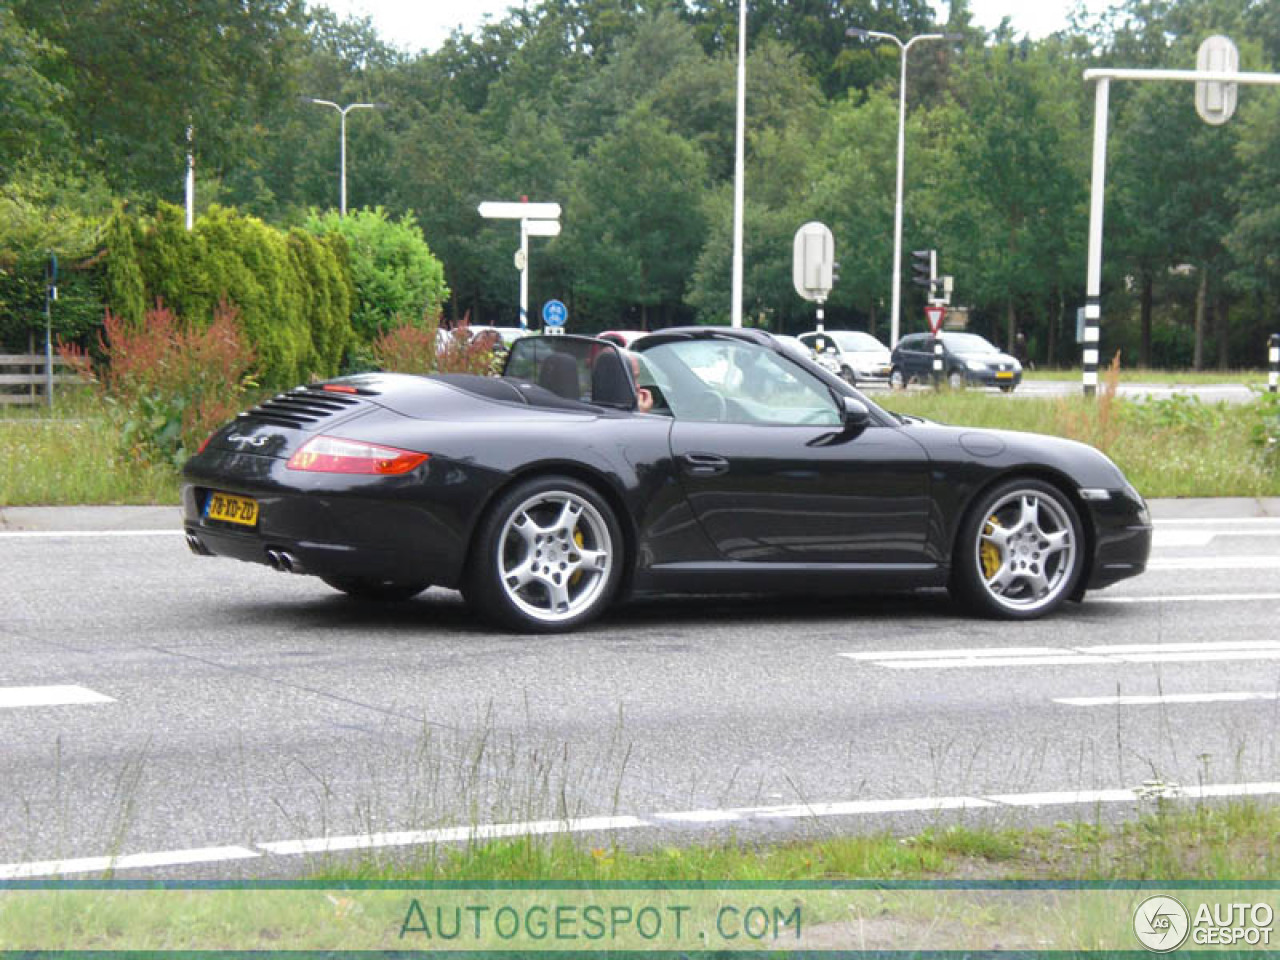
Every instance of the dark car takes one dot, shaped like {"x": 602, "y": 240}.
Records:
{"x": 966, "y": 359}
{"x": 546, "y": 494}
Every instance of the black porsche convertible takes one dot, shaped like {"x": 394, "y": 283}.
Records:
{"x": 707, "y": 460}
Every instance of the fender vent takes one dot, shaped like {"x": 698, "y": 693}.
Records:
{"x": 302, "y": 408}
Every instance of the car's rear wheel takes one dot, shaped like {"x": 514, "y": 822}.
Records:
{"x": 1020, "y": 552}
{"x": 547, "y": 557}
{"x": 364, "y": 588}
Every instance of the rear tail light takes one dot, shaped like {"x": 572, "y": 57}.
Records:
{"x": 334, "y": 455}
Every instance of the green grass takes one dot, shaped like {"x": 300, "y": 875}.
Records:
{"x": 1168, "y": 447}
{"x": 1234, "y": 842}
{"x": 74, "y": 456}
{"x": 1145, "y": 375}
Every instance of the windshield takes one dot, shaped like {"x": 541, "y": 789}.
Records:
{"x": 968, "y": 343}
{"x": 853, "y": 341}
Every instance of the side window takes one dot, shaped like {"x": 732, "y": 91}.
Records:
{"x": 734, "y": 382}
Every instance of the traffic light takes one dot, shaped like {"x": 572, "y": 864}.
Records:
{"x": 924, "y": 268}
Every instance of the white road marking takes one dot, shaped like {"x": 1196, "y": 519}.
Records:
{"x": 1219, "y": 521}
{"x": 1216, "y": 563}
{"x": 50, "y": 696}
{"x": 845, "y": 808}
{"x": 1200, "y": 538}
{"x": 133, "y": 861}
{"x": 51, "y": 534}
{"x": 405, "y": 838}
{"x": 944, "y": 659}
{"x": 799, "y": 811}
{"x": 1190, "y": 598}
{"x": 1142, "y": 701}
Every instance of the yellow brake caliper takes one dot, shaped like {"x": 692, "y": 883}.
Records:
{"x": 577, "y": 538}
{"x": 990, "y": 553}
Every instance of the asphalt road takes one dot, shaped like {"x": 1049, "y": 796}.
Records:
{"x": 211, "y": 718}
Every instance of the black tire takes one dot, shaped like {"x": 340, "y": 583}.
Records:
{"x": 1006, "y": 388}
{"x": 381, "y": 591}
{"x": 547, "y": 557}
{"x": 955, "y": 380}
{"x": 896, "y": 380}
{"x": 1020, "y": 551}
{"x": 848, "y": 376}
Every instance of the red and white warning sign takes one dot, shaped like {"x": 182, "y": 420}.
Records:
{"x": 935, "y": 313}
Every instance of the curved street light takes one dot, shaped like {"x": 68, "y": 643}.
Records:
{"x": 342, "y": 163}
{"x": 903, "y": 48}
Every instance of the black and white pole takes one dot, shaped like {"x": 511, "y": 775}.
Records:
{"x": 1273, "y": 357}
{"x": 1092, "y": 314}
{"x": 937, "y": 360}
{"x": 821, "y": 328}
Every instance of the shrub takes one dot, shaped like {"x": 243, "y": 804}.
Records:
{"x": 168, "y": 385}
{"x": 292, "y": 292}
{"x": 395, "y": 276}
{"x": 411, "y": 348}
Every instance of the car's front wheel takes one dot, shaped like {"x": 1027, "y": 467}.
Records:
{"x": 896, "y": 380}
{"x": 848, "y": 376}
{"x": 547, "y": 557}
{"x": 955, "y": 380}
{"x": 1020, "y": 551}
{"x": 364, "y": 588}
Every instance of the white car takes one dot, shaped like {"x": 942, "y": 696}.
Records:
{"x": 853, "y": 354}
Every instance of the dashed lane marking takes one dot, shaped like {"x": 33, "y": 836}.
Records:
{"x": 53, "y": 696}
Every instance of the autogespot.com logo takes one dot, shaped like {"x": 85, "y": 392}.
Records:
{"x": 1161, "y": 924}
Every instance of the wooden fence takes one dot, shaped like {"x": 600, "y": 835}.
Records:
{"x": 23, "y": 380}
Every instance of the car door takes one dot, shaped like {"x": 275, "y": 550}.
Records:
{"x": 772, "y": 475}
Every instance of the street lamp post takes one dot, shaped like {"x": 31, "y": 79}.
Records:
{"x": 342, "y": 155}
{"x": 904, "y": 48}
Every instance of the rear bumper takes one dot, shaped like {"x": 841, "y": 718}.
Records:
{"x": 412, "y": 529}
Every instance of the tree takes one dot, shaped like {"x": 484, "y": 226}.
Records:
{"x": 139, "y": 73}
{"x": 634, "y": 223}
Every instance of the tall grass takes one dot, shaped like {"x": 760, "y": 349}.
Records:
{"x": 1169, "y": 447}
{"x": 75, "y": 456}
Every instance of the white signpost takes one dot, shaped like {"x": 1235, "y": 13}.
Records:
{"x": 1215, "y": 81}
{"x": 536, "y": 220}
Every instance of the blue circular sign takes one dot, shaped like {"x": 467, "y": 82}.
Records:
{"x": 554, "y": 313}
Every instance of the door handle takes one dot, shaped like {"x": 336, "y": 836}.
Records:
{"x": 704, "y": 464}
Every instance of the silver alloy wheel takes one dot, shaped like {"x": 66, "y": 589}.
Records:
{"x": 896, "y": 382}
{"x": 1026, "y": 550}
{"x": 554, "y": 556}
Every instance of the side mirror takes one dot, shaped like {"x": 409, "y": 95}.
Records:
{"x": 854, "y": 413}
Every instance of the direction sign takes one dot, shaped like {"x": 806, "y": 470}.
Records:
{"x": 542, "y": 228}
{"x": 935, "y": 313}
{"x": 554, "y": 313}
{"x": 498, "y": 210}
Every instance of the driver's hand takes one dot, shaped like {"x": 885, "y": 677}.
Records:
{"x": 644, "y": 400}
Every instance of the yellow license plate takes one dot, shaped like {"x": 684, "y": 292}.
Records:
{"x": 1004, "y": 374}
{"x": 232, "y": 509}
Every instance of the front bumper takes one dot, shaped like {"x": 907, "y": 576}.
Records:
{"x": 1006, "y": 380}
{"x": 1122, "y": 538}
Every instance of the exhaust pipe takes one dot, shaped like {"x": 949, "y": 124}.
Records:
{"x": 284, "y": 561}
{"x": 196, "y": 547}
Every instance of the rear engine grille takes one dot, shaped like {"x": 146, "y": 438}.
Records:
{"x": 302, "y": 408}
